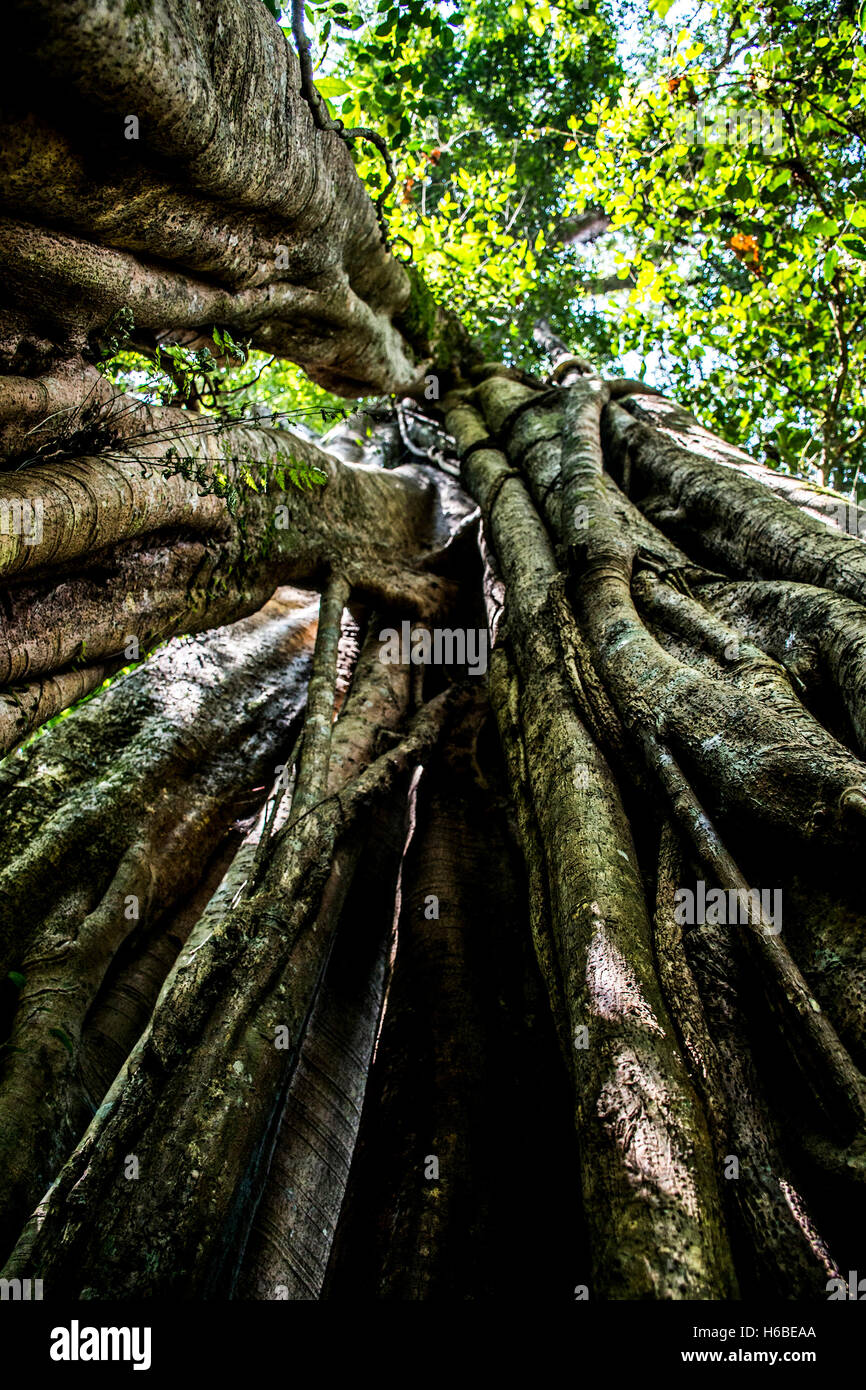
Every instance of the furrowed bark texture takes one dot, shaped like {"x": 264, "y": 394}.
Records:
{"x": 109, "y": 821}
{"x": 646, "y": 1169}
{"x": 465, "y": 1043}
{"x": 290, "y": 1241}
{"x": 170, "y": 180}
{"x": 127, "y": 558}
{"x": 701, "y": 639}
{"x": 267, "y": 986}
{"x": 294, "y": 1226}
{"x": 215, "y": 1030}
{"x": 223, "y": 203}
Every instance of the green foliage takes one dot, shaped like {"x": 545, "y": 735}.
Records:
{"x": 732, "y": 167}
{"x": 724, "y": 143}
{"x": 237, "y": 475}
{"x": 113, "y": 338}
{"x": 473, "y": 102}
{"x": 222, "y": 389}
{"x": 230, "y": 384}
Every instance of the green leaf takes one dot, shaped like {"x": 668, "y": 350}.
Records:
{"x": 332, "y": 86}
{"x": 819, "y": 225}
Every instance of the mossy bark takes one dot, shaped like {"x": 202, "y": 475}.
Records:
{"x": 222, "y": 1075}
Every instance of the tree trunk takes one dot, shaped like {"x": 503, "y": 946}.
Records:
{"x": 313, "y": 957}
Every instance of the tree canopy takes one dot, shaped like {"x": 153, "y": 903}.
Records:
{"x": 679, "y": 187}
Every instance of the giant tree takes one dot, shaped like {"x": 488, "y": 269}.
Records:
{"x": 291, "y": 919}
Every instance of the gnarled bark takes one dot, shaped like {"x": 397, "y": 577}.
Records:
{"x": 223, "y": 1072}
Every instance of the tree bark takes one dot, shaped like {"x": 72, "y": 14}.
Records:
{"x": 268, "y": 986}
